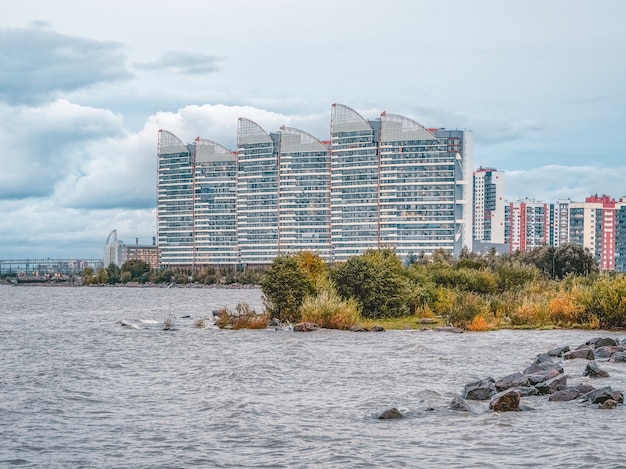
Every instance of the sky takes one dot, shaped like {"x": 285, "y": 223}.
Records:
{"x": 85, "y": 87}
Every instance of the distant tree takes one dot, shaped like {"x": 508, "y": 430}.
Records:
{"x": 88, "y": 276}
{"x": 442, "y": 256}
{"x": 137, "y": 268}
{"x": 114, "y": 273}
{"x": 101, "y": 276}
{"x": 571, "y": 258}
{"x": 284, "y": 288}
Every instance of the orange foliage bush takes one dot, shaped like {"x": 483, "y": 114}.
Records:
{"x": 478, "y": 323}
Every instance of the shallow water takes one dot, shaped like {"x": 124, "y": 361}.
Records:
{"x": 79, "y": 390}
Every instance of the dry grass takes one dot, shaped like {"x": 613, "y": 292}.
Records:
{"x": 329, "y": 311}
{"x": 244, "y": 317}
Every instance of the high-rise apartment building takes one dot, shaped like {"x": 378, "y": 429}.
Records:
{"x": 528, "y": 225}
{"x": 489, "y": 203}
{"x": 388, "y": 182}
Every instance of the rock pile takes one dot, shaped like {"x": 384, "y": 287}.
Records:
{"x": 545, "y": 376}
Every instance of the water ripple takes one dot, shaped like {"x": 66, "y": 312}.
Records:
{"x": 79, "y": 390}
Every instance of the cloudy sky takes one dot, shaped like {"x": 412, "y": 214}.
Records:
{"x": 85, "y": 86}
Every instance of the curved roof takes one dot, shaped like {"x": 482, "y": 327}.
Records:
{"x": 396, "y": 128}
{"x": 170, "y": 143}
{"x": 208, "y": 151}
{"x": 345, "y": 119}
{"x": 249, "y": 132}
{"x": 293, "y": 140}
{"x": 111, "y": 238}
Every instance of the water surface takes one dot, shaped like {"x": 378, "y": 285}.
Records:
{"x": 79, "y": 390}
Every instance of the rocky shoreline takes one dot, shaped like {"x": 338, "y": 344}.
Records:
{"x": 545, "y": 376}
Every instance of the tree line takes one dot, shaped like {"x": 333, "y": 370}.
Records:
{"x": 546, "y": 287}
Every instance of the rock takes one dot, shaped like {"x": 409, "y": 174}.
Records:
{"x": 541, "y": 376}
{"x": 305, "y": 327}
{"x": 570, "y": 393}
{"x": 127, "y": 324}
{"x": 608, "y": 404}
{"x": 528, "y": 391}
{"x": 552, "y": 385}
{"x": 564, "y": 395}
{"x": 392, "y": 413}
{"x": 542, "y": 358}
{"x": 506, "y": 401}
{"x": 598, "y": 396}
{"x": 357, "y": 328}
{"x": 460, "y": 404}
{"x": 480, "y": 390}
{"x": 606, "y": 351}
{"x": 594, "y": 371}
{"x": 585, "y": 353}
{"x": 601, "y": 342}
{"x": 454, "y": 330}
{"x": 618, "y": 357}
{"x": 538, "y": 368}
{"x": 278, "y": 325}
{"x": 511, "y": 381}
{"x": 378, "y": 329}
{"x": 559, "y": 351}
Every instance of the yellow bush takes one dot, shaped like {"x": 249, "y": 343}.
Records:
{"x": 564, "y": 309}
{"x": 530, "y": 313}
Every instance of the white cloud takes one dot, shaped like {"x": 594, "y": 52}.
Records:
{"x": 42, "y": 145}
{"x": 551, "y": 183}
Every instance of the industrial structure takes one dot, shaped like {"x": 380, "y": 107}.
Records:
{"x": 117, "y": 253}
{"x": 388, "y": 182}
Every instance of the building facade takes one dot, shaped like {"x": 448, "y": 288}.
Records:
{"x": 489, "y": 206}
{"x": 598, "y": 224}
{"x": 528, "y": 225}
{"x": 388, "y": 182}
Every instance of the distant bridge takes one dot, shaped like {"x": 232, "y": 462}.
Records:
{"x": 43, "y": 267}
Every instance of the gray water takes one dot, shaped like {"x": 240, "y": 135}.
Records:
{"x": 79, "y": 390}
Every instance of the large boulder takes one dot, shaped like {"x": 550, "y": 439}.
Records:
{"x": 618, "y": 357}
{"x": 515, "y": 380}
{"x": 480, "y": 390}
{"x": 601, "y": 342}
{"x": 552, "y": 385}
{"x": 598, "y": 396}
{"x": 505, "y": 401}
{"x": 543, "y": 375}
{"x": 606, "y": 351}
{"x": 559, "y": 351}
{"x": 570, "y": 393}
{"x": 585, "y": 353}
{"x": 543, "y": 357}
{"x": 459, "y": 404}
{"x": 608, "y": 404}
{"x": 392, "y": 413}
{"x": 543, "y": 366}
{"x": 594, "y": 371}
